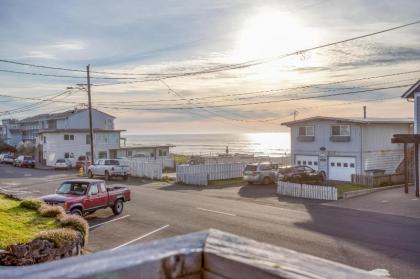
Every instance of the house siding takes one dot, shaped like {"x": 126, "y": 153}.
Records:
{"x": 322, "y": 134}
{"x": 55, "y": 146}
{"x": 378, "y": 151}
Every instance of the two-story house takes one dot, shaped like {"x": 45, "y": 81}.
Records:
{"x": 10, "y": 132}
{"x": 71, "y": 119}
{"x": 344, "y": 146}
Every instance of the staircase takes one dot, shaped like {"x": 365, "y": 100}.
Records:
{"x": 410, "y": 158}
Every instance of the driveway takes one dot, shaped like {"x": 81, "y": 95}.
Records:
{"x": 392, "y": 201}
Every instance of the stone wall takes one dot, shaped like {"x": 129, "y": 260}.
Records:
{"x": 39, "y": 251}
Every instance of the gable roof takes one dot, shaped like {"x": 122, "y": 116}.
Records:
{"x": 58, "y": 115}
{"x": 358, "y": 120}
{"x": 409, "y": 94}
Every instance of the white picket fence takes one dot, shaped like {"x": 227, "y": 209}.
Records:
{"x": 165, "y": 162}
{"x": 284, "y": 160}
{"x": 139, "y": 168}
{"x": 201, "y": 174}
{"x": 307, "y": 191}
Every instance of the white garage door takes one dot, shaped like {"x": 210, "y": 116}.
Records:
{"x": 310, "y": 161}
{"x": 341, "y": 168}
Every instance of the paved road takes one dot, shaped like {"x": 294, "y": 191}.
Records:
{"x": 366, "y": 240}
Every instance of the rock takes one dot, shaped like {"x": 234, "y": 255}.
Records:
{"x": 19, "y": 250}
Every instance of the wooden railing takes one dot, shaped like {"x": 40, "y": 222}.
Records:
{"x": 378, "y": 180}
{"x": 210, "y": 254}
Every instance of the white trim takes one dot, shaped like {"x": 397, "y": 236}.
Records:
{"x": 140, "y": 237}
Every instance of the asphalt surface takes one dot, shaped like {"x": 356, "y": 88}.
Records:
{"x": 362, "y": 239}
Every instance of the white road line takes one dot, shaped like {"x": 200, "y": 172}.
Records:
{"x": 214, "y": 211}
{"x": 141, "y": 237}
{"x": 116, "y": 219}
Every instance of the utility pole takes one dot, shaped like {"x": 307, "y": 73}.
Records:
{"x": 364, "y": 112}
{"x": 92, "y": 154}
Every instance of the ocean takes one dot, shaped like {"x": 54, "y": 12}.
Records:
{"x": 272, "y": 144}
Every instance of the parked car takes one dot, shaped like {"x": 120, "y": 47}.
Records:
{"x": 84, "y": 196}
{"x": 109, "y": 168}
{"x": 302, "y": 174}
{"x": 258, "y": 173}
{"x": 63, "y": 164}
{"x": 82, "y": 161}
{"x": 24, "y": 161}
{"x": 6, "y": 159}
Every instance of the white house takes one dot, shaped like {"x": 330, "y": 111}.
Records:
{"x": 72, "y": 143}
{"x": 148, "y": 151}
{"x": 341, "y": 147}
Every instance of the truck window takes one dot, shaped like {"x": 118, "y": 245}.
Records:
{"x": 93, "y": 190}
{"x": 102, "y": 187}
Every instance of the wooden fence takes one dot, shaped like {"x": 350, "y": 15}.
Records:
{"x": 201, "y": 174}
{"x": 284, "y": 160}
{"x": 140, "y": 168}
{"x": 377, "y": 180}
{"x": 307, "y": 191}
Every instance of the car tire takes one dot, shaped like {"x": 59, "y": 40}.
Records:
{"x": 266, "y": 180}
{"x": 76, "y": 212}
{"x": 90, "y": 174}
{"x": 118, "y": 207}
{"x": 107, "y": 176}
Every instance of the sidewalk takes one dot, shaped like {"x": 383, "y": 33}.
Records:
{"x": 393, "y": 201}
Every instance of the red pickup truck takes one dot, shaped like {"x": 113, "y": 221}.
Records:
{"x": 83, "y": 196}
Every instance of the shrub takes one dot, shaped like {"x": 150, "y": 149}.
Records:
{"x": 32, "y": 204}
{"x": 77, "y": 223}
{"x": 51, "y": 211}
{"x": 58, "y": 236}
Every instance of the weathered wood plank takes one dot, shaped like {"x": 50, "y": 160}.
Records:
{"x": 175, "y": 257}
{"x": 244, "y": 258}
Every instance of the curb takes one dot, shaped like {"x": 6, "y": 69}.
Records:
{"x": 353, "y": 194}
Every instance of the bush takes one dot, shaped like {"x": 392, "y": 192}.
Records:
{"x": 32, "y": 204}
{"x": 58, "y": 236}
{"x": 51, "y": 211}
{"x": 77, "y": 223}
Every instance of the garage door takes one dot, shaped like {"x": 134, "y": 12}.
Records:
{"x": 310, "y": 161}
{"x": 341, "y": 168}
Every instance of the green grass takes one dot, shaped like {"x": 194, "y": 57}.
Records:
{"x": 19, "y": 224}
{"x": 342, "y": 188}
{"x": 180, "y": 159}
{"x": 225, "y": 182}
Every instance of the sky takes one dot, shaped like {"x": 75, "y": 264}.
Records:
{"x": 152, "y": 38}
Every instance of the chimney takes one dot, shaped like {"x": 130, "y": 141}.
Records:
{"x": 364, "y": 112}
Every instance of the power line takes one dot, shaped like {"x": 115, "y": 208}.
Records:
{"x": 220, "y": 68}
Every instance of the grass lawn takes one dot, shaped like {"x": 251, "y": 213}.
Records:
{"x": 180, "y": 159}
{"x": 342, "y": 188}
{"x": 18, "y": 224}
{"x": 225, "y": 182}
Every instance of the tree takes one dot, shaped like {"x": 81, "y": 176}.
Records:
{"x": 26, "y": 148}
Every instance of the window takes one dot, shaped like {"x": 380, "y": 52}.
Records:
{"x": 338, "y": 165}
{"x": 299, "y": 162}
{"x": 160, "y": 153}
{"x": 88, "y": 139}
{"x": 68, "y": 155}
{"x": 315, "y": 163}
{"x": 351, "y": 165}
{"x": 93, "y": 189}
{"x": 102, "y": 154}
{"x": 68, "y": 137}
{"x": 304, "y": 163}
{"x": 310, "y": 163}
{"x": 340, "y": 130}
{"x": 306, "y": 131}
{"x": 45, "y": 139}
{"x": 129, "y": 153}
{"x": 102, "y": 187}
{"x": 345, "y": 165}
{"x": 332, "y": 164}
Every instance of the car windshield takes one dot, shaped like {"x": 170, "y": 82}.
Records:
{"x": 27, "y": 158}
{"x": 251, "y": 168}
{"x": 61, "y": 161}
{"x": 75, "y": 188}
{"x": 285, "y": 170}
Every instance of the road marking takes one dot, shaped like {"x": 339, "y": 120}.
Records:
{"x": 27, "y": 174}
{"x": 141, "y": 237}
{"x": 384, "y": 201}
{"x": 103, "y": 223}
{"x": 214, "y": 211}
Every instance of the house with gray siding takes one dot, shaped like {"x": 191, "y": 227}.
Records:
{"x": 341, "y": 147}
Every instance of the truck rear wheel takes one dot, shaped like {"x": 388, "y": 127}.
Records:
{"x": 118, "y": 207}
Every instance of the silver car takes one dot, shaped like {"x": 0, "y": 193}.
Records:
{"x": 260, "y": 173}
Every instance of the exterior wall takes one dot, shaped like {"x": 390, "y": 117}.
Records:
{"x": 378, "y": 151}
{"x": 11, "y": 133}
{"x": 322, "y": 132}
{"x": 55, "y": 146}
{"x": 149, "y": 152}
{"x": 80, "y": 120}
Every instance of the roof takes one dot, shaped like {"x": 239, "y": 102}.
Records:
{"x": 84, "y": 180}
{"x": 144, "y": 146}
{"x": 358, "y": 120}
{"x": 409, "y": 94}
{"x": 58, "y": 115}
{"x": 78, "y": 131}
